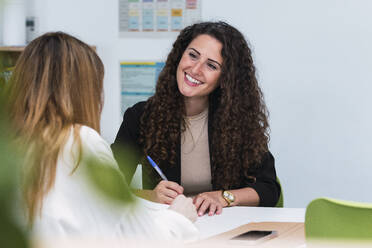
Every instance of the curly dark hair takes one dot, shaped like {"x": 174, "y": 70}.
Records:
{"x": 238, "y": 112}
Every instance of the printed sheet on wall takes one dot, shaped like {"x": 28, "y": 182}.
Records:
{"x": 138, "y": 81}
{"x": 156, "y": 18}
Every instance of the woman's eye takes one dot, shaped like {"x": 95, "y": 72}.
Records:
{"x": 212, "y": 66}
{"x": 192, "y": 55}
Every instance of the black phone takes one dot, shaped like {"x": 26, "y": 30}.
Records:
{"x": 254, "y": 236}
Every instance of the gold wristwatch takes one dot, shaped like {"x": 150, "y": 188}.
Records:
{"x": 228, "y": 196}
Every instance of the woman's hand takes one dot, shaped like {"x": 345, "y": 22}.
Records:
{"x": 167, "y": 191}
{"x": 184, "y": 206}
{"x": 211, "y": 202}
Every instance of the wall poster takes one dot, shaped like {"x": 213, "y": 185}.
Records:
{"x": 156, "y": 18}
{"x": 137, "y": 81}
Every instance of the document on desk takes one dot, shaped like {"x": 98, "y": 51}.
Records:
{"x": 212, "y": 225}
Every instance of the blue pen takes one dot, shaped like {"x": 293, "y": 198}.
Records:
{"x": 156, "y": 167}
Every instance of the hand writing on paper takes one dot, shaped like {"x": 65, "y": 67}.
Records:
{"x": 211, "y": 202}
{"x": 167, "y": 191}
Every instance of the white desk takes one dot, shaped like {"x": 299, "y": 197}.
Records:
{"x": 208, "y": 225}
{"x": 236, "y": 216}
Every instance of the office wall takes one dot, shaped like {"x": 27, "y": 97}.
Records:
{"x": 1, "y": 21}
{"x": 96, "y": 22}
{"x": 314, "y": 64}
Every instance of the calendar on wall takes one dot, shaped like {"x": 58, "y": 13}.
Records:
{"x": 156, "y": 18}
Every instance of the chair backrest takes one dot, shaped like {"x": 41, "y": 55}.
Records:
{"x": 280, "y": 202}
{"x": 336, "y": 219}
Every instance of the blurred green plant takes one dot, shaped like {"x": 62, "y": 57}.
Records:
{"x": 109, "y": 181}
{"x": 11, "y": 232}
{"x": 2, "y": 69}
{"x": 6, "y": 68}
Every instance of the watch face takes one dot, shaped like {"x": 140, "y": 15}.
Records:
{"x": 229, "y": 196}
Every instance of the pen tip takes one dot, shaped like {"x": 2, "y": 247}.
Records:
{"x": 149, "y": 159}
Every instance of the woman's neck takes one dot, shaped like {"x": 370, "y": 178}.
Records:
{"x": 195, "y": 106}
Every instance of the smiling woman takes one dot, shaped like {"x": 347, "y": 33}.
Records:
{"x": 206, "y": 126}
{"x": 198, "y": 72}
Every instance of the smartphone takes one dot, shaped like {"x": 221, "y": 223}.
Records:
{"x": 253, "y": 237}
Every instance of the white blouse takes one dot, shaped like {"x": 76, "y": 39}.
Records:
{"x": 73, "y": 208}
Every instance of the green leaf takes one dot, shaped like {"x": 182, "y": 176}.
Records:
{"x": 11, "y": 234}
{"x": 109, "y": 181}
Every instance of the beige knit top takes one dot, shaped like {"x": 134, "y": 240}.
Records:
{"x": 195, "y": 161}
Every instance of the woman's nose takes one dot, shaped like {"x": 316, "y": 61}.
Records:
{"x": 196, "y": 68}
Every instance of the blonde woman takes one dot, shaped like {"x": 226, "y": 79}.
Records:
{"x": 55, "y": 102}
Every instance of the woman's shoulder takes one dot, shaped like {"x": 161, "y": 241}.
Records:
{"x": 92, "y": 140}
{"x": 88, "y": 133}
{"x": 132, "y": 116}
{"x": 94, "y": 146}
{"x": 137, "y": 108}
{"x": 87, "y": 136}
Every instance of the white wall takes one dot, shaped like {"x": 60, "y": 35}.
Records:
{"x": 1, "y": 21}
{"x": 314, "y": 64}
{"x": 96, "y": 22}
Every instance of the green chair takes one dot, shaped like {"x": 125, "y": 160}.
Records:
{"x": 338, "y": 220}
{"x": 280, "y": 202}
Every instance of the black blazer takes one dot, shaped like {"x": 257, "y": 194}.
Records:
{"x": 129, "y": 154}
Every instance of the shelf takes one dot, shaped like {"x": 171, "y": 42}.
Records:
{"x": 21, "y": 48}
{"x": 11, "y": 48}
{"x": 10, "y": 54}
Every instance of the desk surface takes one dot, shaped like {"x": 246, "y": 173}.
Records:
{"x": 236, "y": 216}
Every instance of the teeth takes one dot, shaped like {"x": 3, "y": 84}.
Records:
{"x": 192, "y": 80}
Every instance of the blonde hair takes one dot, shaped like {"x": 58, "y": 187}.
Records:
{"x": 57, "y": 83}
